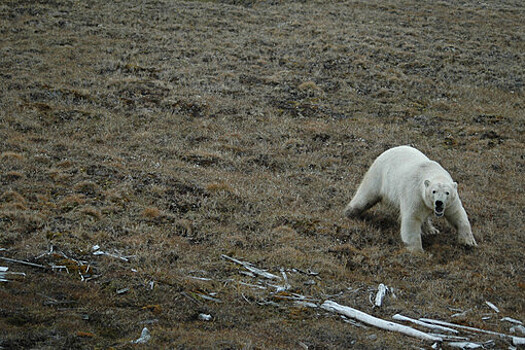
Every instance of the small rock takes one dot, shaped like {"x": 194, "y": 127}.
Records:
{"x": 145, "y": 336}
{"x": 204, "y": 317}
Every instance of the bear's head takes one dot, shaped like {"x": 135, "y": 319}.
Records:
{"x": 439, "y": 194}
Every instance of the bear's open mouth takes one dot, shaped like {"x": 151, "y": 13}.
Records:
{"x": 439, "y": 208}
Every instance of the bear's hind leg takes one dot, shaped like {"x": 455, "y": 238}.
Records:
{"x": 363, "y": 200}
{"x": 411, "y": 233}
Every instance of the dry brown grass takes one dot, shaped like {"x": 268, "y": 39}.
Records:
{"x": 174, "y": 132}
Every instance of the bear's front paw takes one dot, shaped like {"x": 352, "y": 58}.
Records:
{"x": 415, "y": 249}
{"x": 430, "y": 230}
{"x": 468, "y": 240}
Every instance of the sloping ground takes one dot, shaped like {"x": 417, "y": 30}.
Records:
{"x": 170, "y": 133}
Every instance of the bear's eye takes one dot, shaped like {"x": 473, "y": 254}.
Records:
{"x": 447, "y": 193}
{"x": 434, "y": 192}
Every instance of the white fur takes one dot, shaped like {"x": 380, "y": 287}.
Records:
{"x": 418, "y": 187}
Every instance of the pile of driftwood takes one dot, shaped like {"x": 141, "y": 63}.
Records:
{"x": 69, "y": 265}
{"x": 436, "y": 332}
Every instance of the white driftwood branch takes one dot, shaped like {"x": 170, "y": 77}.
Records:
{"x": 252, "y": 285}
{"x": 100, "y": 252}
{"x": 306, "y": 304}
{"x": 248, "y": 266}
{"x": 515, "y": 340}
{"x": 200, "y": 278}
{"x": 492, "y": 306}
{"x": 24, "y": 262}
{"x": 399, "y": 317}
{"x": 381, "y": 292}
{"x": 377, "y": 322}
{"x": 465, "y": 345}
{"x": 460, "y": 314}
{"x": 4, "y": 272}
{"x": 518, "y": 340}
{"x": 448, "y": 337}
{"x": 511, "y": 320}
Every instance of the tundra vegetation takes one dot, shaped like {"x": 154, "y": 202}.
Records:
{"x": 144, "y": 142}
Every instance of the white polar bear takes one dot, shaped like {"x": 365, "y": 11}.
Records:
{"x": 406, "y": 178}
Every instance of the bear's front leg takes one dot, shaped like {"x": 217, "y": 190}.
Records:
{"x": 457, "y": 217}
{"x": 411, "y": 233}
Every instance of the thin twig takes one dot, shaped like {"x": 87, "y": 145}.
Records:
{"x": 399, "y": 317}
{"x": 24, "y": 263}
{"x": 252, "y": 269}
{"x": 515, "y": 340}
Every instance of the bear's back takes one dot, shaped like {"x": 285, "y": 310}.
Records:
{"x": 401, "y": 170}
{"x": 403, "y": 154}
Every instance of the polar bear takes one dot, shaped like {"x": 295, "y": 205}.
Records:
{"x": 418, "y": 187}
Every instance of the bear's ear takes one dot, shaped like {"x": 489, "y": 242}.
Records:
{"x": 455, "y": 185}
{"x": 427, "y": 183}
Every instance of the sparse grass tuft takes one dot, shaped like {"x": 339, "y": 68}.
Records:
{"x": 10, "y": 196}
{"x": 6, "y": 156}
{"x": 87, "y": 187}
{"x": 310, "y": 88}
{"x": 219, "y": 187}
{"x": 72, "y": 201}
{"x": 91, "y": 212}
{"x": 151, "y": 213}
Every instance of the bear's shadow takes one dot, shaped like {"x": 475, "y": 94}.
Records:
{"x": 444, "y": 244}
{"x": 381, "y": 221}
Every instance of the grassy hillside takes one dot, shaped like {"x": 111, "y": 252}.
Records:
{"x": 169, "y": 133}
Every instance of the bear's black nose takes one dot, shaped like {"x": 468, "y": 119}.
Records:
{"x": 439, "y": 204}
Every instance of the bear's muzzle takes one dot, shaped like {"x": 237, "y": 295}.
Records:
{"x": 439, "y": 208}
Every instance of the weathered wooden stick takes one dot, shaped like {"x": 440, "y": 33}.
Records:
{"x": 511, "y": 320}
{"x": 518, "y": 341}
{"x": 252, "y": 269}
{"x": 377, "y": 322}
{"x": 448, "y": 337}
{"x": 399, "y": 317}
{"x": 24, "y": 262}
{"x": 460, "y": 326}
{"x": 492, "y": 306}
{"x": 252, "y": 285}
{"x": 381, "y": 292}
{"x": 465, "y": 345}
{"x": 200, "y": 278}
{"x": 306, "y": 304}
{"x": 515, "y": 340}
{"x": 100, "y": 252}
